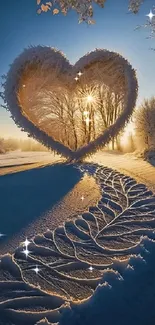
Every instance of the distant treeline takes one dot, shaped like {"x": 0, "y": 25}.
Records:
{"x": 11, "y": 144}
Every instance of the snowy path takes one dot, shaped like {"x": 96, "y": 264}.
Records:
{"x": 128, "y": 164}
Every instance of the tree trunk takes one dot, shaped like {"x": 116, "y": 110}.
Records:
{"x": 113, "y": 143}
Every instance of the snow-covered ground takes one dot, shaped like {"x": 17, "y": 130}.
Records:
{"x": 19, "y": 161}
{"x": 128, "y": 164}
{"x": 92, "y": 238}
{"x": 15, "y": 158}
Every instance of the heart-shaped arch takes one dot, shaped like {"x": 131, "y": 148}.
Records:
{"x": 46, "y": 59}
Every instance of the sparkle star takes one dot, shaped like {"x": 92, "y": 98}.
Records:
{"x": 76, "y": 78}
{"x": 80, "y": 73}
{"x": 26, "y": 252}
{"x": 91, "y": 269}
{"x": 36, "y": 270}
{"x": 150, "y": 15}
{"x": 26, "y": 242}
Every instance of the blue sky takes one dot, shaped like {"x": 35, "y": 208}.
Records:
{"x": 21, "y": 26}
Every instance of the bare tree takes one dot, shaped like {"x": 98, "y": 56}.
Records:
{"x": 12, "y": 144}
{"x": 75, "y": 116}
{"x": 110, "y": 106}
{"x": 145, "y": 124}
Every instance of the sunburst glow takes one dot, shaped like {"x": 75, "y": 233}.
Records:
{"x": 90, "y": 98}
{"x": 88, "y": 95}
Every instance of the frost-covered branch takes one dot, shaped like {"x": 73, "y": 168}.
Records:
{"x": 134, "y": 5}
{"x": 150, "y": 24}
{"x": 84, "y": 8}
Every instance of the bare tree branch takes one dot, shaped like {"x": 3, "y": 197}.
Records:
{"x": 84, "y": 8}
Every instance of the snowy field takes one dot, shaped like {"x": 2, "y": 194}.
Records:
{"x": 20, "y": 158}
{"x": 92, "y": 238}
{"x": 128, "y": 164}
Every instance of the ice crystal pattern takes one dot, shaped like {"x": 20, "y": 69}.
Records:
{"x": 73, "y": 259}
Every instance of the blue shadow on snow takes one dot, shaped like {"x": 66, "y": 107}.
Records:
{"x": 24, "y": 196}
